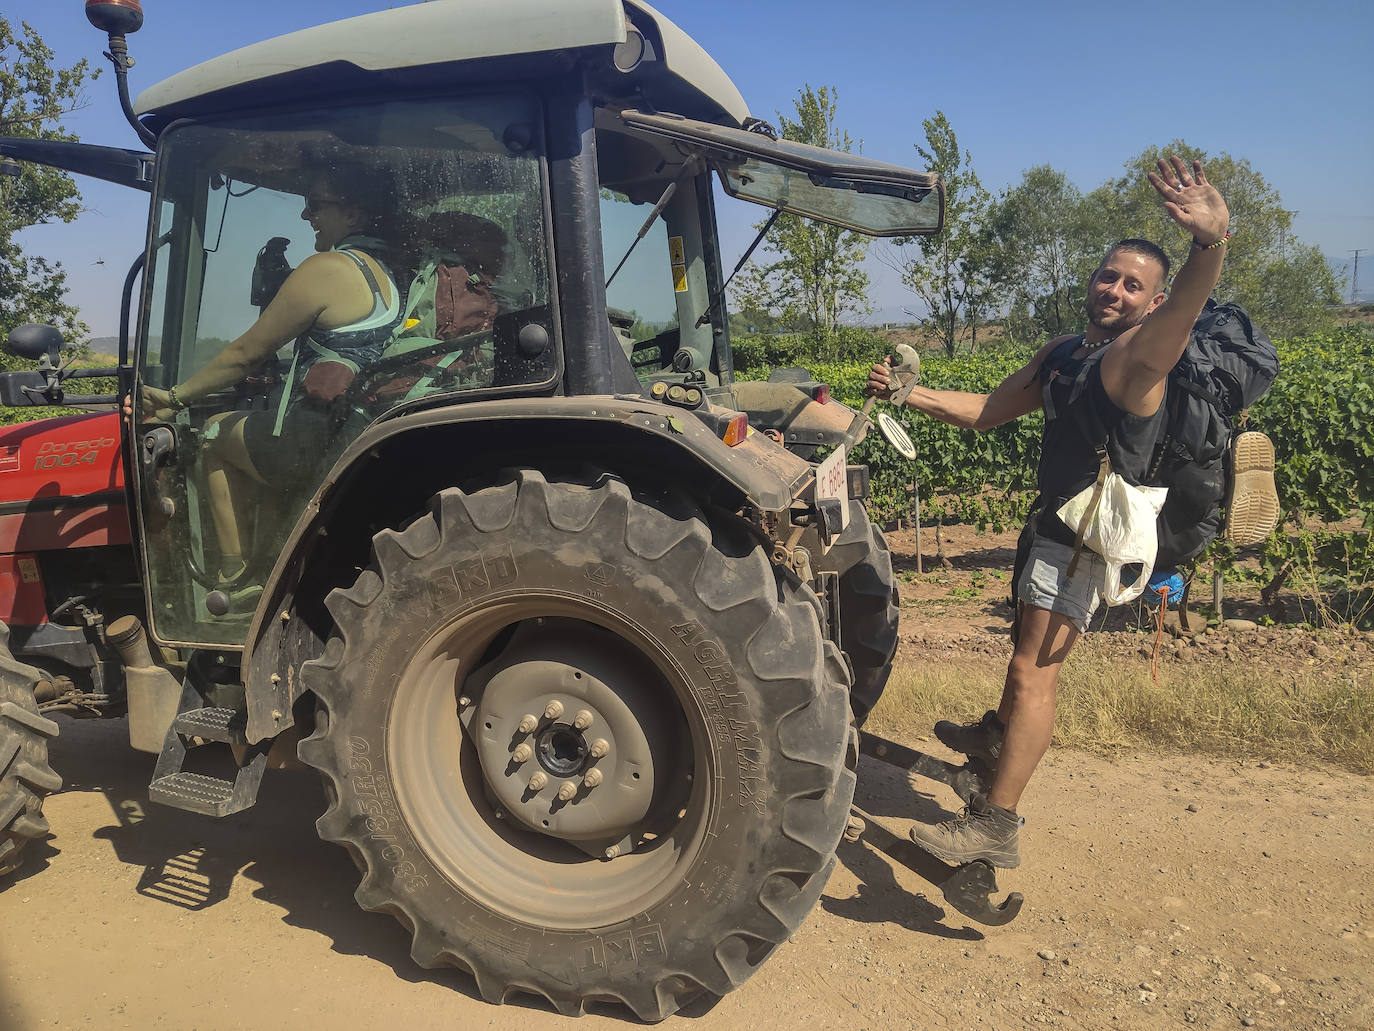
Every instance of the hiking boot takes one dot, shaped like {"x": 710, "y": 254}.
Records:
{"x": 983, "y": 831}
{"x": 979, "y": 740}
{"x": 1253, "y": 511}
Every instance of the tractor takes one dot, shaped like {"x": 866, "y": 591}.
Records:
{"x": 577, "y": 629}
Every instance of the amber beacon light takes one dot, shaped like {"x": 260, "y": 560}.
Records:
{"x": 117, "y": 17}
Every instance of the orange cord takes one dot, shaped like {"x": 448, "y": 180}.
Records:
{"x": 1159, "y": 633}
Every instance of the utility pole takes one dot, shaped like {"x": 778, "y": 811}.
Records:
{"x": 1355, "y": 276}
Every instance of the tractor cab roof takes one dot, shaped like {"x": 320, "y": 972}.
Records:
{"x": 455, "y": 42}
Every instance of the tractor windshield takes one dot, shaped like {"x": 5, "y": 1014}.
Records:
{"x": 311, "y": 273}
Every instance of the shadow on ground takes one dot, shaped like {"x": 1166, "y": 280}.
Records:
{"x": 192, "y": 862}
{"x": 899, "y": 799}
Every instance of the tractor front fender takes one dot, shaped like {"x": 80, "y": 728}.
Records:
{"x": 386, "y": 477}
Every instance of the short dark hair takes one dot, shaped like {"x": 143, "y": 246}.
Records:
{"x": 1145, "y": 248}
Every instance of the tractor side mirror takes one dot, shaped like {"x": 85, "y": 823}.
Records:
{"x": 35, "y": 342}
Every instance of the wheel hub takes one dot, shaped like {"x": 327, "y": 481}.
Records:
{"x": 566, "y": 728}
{"x": 562, "y": 750}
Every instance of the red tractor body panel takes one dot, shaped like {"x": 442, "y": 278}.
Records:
{"x": 61, "y": 486}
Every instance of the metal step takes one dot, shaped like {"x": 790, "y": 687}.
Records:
{"x": 199, "y": 792}
{"x": 209, "y": 796}
{"x": 227, "y": 725}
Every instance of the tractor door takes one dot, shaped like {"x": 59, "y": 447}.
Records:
{"x": 428, "y": 196}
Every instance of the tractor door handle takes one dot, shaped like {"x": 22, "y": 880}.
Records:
{"x": 158, "y": 446}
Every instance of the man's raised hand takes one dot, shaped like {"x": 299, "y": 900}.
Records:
{"x": 1191, "y": 200}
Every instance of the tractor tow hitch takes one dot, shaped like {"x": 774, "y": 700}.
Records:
{"x": 968, "y": 888}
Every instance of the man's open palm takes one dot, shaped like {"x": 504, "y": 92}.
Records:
{"x": 1190, "y": 199}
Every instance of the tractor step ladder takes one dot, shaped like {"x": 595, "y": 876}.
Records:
{"x": 199, "y": 792}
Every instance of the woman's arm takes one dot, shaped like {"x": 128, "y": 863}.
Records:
{"x": 323, "y": 283}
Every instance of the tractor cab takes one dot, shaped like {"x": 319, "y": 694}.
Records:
{"x": 546, "y": 190}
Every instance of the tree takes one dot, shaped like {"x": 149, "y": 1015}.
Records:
{"x": 818, "y": 276}
{"x": 34, "y": 98}
{"x": 954, "y": 274}
{"x": 1044, "y": 253}
{"x": 1284, "y": 285}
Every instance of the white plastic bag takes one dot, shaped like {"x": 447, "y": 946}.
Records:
{"x": 1121, "y": 528}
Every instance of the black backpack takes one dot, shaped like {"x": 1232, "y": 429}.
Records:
{"x": 1226, "y": 367}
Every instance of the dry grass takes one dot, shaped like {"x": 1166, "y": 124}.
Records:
{"x": 1221, "y": 710}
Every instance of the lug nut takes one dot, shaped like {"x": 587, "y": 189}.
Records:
{"x": 528, "y": 724}
{"x": 583, "y": 719}
{"x": 566, "y": 791}
{"x": 553, "y": 710}
{"x": 522, "y": 754}
{"x": 592, "y": 779}
{"x": 538, "y": 781}
{"x": 599, "y": 748}
{"x": 612, "y": 852}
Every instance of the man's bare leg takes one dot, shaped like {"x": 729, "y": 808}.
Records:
{"x": 1028, "y": 700}
{"x": 989, "y": 828}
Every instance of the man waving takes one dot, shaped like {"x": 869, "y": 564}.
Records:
{"x": 1118, "y": 406}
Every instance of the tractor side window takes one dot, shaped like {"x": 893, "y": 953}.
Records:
{"x": 310, "y": 273}
{"x": 642, "y": 297}
{"x": 661, "y": 290}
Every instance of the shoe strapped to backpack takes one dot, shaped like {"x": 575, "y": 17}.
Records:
{"x": 1252, "y": 508}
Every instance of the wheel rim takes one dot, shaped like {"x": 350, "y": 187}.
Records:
{"x": 465, "y": 825}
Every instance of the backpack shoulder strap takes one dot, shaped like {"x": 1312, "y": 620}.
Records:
{"x": 1050, "y": 368}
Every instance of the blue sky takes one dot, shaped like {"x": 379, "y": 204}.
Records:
{"x": 1080, "y": 86}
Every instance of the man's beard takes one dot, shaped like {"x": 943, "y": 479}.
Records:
{"x": 1120, "y": 322}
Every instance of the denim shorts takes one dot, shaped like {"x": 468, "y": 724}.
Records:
{"x": 1045, "y": 583}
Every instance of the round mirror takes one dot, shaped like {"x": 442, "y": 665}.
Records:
{"x": 895, "y": 435}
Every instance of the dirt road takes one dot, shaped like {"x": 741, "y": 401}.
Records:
{"x": 1160, "y": 892}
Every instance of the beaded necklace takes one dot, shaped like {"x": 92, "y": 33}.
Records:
{"x": 1090, "y": 348}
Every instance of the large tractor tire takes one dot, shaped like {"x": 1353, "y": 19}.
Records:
{"x": 870, "y": 608}
{"x": 583, "y": 742}
{"x": 25, "y": 776}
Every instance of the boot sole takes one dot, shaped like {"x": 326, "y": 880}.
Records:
{"x": 1253, "y": 510}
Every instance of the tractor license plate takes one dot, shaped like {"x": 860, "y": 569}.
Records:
{"x": 832, "y": 481}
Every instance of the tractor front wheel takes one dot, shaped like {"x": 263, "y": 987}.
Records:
{"x": 583, "y": 741}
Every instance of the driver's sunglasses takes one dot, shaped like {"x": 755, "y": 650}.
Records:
{"x": 315, "y": 203}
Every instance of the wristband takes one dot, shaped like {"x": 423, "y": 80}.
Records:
{"x": 177, "y": 403}
{"x": 1208, "y": 246}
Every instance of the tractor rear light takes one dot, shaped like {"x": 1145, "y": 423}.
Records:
{"x": 736, "y": 430}
{"x": 823, "y": 394}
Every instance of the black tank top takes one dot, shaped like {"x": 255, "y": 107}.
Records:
{"x": 1080, "y": 421}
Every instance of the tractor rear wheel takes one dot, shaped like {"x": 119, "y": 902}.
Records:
{"x": 869, "y": 608}
{"x": 584, "y": 742}
{"x": 25, "y": 776}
